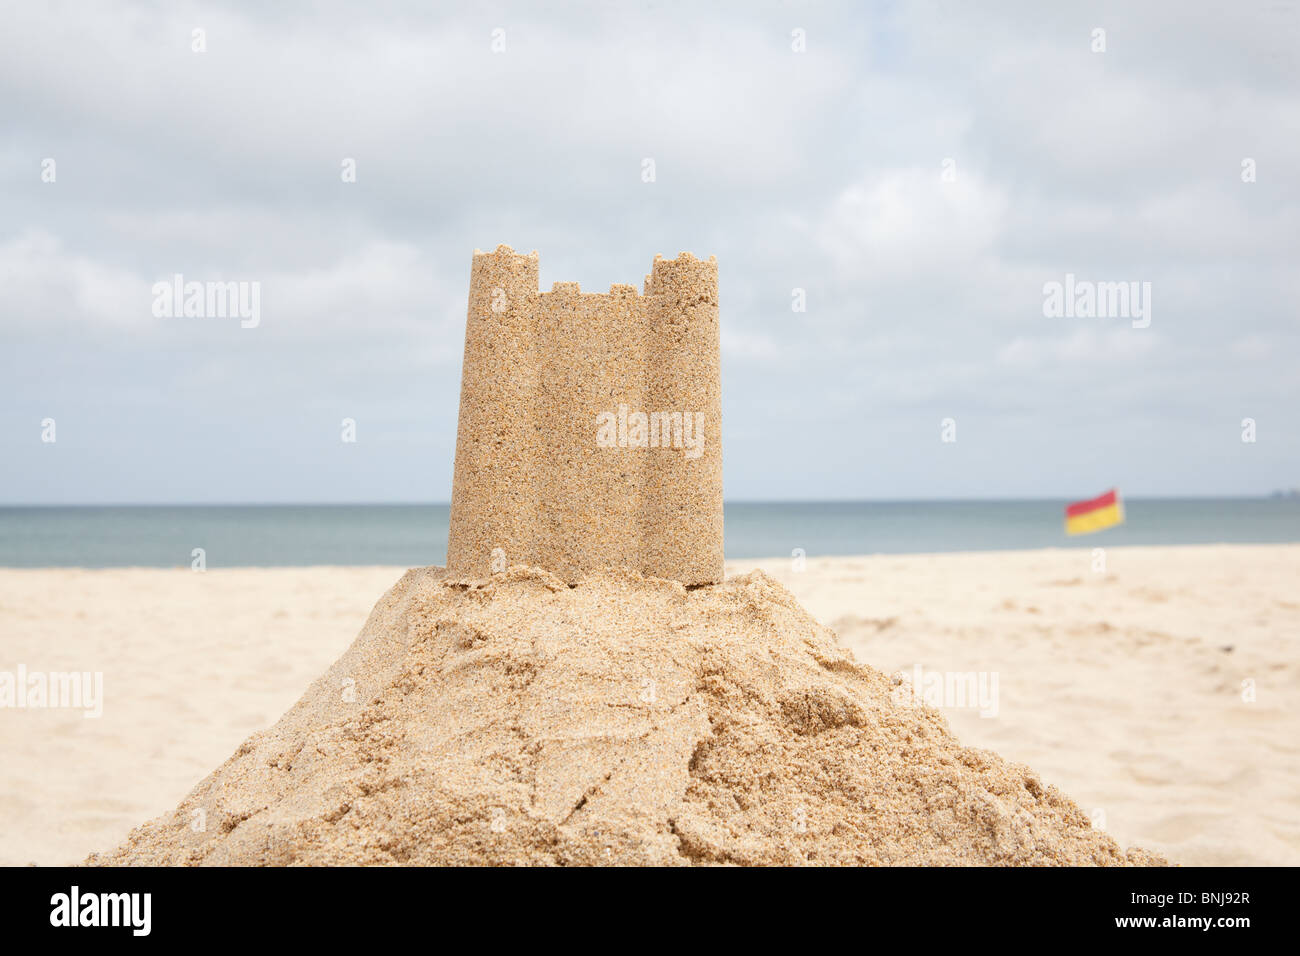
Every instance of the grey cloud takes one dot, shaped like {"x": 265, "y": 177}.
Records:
{"x": 819, "y": 171}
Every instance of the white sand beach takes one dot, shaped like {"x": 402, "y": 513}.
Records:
{"x": 1160, "y": 694}
{"x": 1123, "y": 688}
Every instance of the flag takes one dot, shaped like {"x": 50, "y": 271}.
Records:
{"x": 1085, "y": 517}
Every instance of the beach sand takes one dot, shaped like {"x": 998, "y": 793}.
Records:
{"x": 1118, "y": 687}
{"x": 193, "y": 663}
{"x": 1124, "y": 688}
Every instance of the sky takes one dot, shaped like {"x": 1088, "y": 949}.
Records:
{"x": 915, "y": 175}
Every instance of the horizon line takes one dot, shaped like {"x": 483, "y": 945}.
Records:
{"x": 1278, "y": 493}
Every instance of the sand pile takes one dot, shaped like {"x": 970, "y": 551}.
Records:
{"x": 625, "y": 720}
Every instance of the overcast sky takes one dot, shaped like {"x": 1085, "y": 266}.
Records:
{"x": 825, "y": 170}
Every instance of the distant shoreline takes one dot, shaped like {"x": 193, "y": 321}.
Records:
{"x": 165, "y": 536}
{"x": 1283, "y": 494}
{"x": 734, "y": 565}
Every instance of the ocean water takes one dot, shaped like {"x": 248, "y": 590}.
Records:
{"x": 413, "y": 535}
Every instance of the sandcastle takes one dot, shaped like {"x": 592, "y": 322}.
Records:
{"x": 582, "y": 710}
{"x": 590, "y": 424}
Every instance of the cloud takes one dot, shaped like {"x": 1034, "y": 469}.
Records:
{"x": 47, "y": 289}
{"x": 820, "y": 171}
{"x": 1085, "y": 349}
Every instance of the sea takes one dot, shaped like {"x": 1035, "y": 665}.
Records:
{"x": 416, "y": 534}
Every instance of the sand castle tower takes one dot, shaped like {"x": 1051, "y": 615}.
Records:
{"x": 590, "y": 424}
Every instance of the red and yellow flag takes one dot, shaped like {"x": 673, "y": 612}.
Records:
{"x": 1085, "y": 517}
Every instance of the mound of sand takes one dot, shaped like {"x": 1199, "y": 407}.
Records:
{"x": 625, "y": 720}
